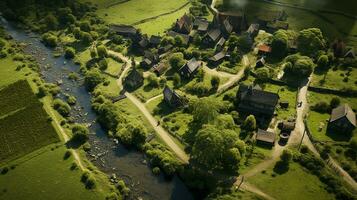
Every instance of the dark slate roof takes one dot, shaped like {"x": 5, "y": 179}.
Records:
{"x": 165, "y": 48}
{"x": 221, "y": 41}
{"x": 214, "y": 34}
{"x": 184, "y": 23}
{"x": 260, "y": 62}
{"x": 201, "y": 24}
{"x": 265, "y": 136}
{"x": 134, "y": 77}
{"x": 218, "y": 56}
{"x": 155, "y": 39}
{"x": 190, "y": 67}
{"x": 193, "y": 64}
{"x": 248, "y": 93}
{"x": 253, "y": 28}
{"x": 185, "y": 37}
{"x": 343, "y": 111}
{"x": 144, "y": 42}
{"x": 124, "y": 29}
{"x": 151, "y": 56}
{"x": 171, "y": 96}
{"x": 227, "y": 26}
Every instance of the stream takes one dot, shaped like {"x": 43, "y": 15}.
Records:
{"x": 108, "y": 156}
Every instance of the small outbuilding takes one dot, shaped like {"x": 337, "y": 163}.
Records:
{"x": 201, "y": 25}
{"x": 265, "y": 137}
{"x": 184, "y": 24}
{"x": 134, "y": 79}
{"x": 212, "y": 37}
{"x": 172, "y": 98}
{"x": 190, "y": 68}
{"x": 160, "y": 68}
{"x": 218, "y": 58}
{"x": 342, "y": 119}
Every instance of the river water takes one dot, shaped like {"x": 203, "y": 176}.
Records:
{"x": 108, "y": 156}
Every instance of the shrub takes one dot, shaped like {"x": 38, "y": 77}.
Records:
{"x": 102, "y": 51}
{"x": 69, "y": 53}
{"x": 321, "y": 107}
{"x": 215, "y": 82}
{"x": 103, "y": 64}
{"x": 49, "y": 40}
{"x": 176, "y": 60}
{"x": 156, "y": 171}
{"x": 80, "y": 133}
{"x": 67, "y": 154}
{"x": 153, "y": 81}
{"x": 62, "y": 107}
{"x": 71, "y": 100}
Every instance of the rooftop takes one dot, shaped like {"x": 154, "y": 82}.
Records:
{"x": 343, "y": 111}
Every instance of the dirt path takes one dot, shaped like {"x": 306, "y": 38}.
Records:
{"x": 234, "y": 78}
{"x": 214, "y": 72}
{"x": 66, "y": 139}
{"x": 164, "y": 135}
{"x": 153, "y": 98}
{"x": 251, "y": 188}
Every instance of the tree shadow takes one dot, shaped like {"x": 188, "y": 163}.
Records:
{"x": 281, "y": 167}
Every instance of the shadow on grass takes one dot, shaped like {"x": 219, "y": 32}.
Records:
{"x": 281, "y": 167}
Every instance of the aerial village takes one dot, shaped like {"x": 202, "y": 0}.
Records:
{"x": 223, "y": 104}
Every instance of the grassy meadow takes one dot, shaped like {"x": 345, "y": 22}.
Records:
{"x": 297, "y": 183}
{"x": 317, "y": 122}
{"x": 45, "y": 174}
{"x": 135, "y": 10}
{"x": 333, "y": 26}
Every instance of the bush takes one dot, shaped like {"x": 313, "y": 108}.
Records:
{"x": 153, "y": 81}
{"x": 215, "y": 82}
{"x": 156, "y": 171}
{"x": 102, "y": 51}
{"x": 176, "y": 60}
{"x": 103, "y": 64}
{"x": 335, "y": 102}
{"x": 62, "y": 107}
{"x": 321, "y": 107}
{"x": 67, "y": 154}
{"x": 80, "y": 133}
{"x": 69, "y": 53}
{"x": 71, "y": 100}
{"x": 250, "y": 123}
{"x": 92, "y": 79}
{"x": 132, "y": 134}
{"x": 49, "y": 40}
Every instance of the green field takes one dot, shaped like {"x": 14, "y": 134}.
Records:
{"x": 297, "y": 183}
{"x": 24, "y": 126}
{"x": 16, "y": 96}
{"x": 45, "y": 175}
{"x": 136, "y": 10}
{"x": 317, "y": 122}
{"x": 159, "y": 25}
{"x": 334, "y": 79}
{"x": 333, "y": 26}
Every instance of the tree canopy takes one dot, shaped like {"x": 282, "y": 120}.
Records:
{"x": 311, "y": 41}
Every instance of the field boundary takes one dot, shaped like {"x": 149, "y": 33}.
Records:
{"x": 163, "y": 14}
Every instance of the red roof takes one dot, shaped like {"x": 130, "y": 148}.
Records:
{"x": 264, "y": 48}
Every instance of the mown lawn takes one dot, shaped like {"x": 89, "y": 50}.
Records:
{"x": 336, "y": 79}
{"x": 318, "y": 122}
{"x": 145, "y": 92}
{"x": 113, "y": 67}
{"x": 136, "y": 10}
{"x": 297, "y": 183}
{"x": 286, "y": 94}
{"x": 45, "y": 176}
